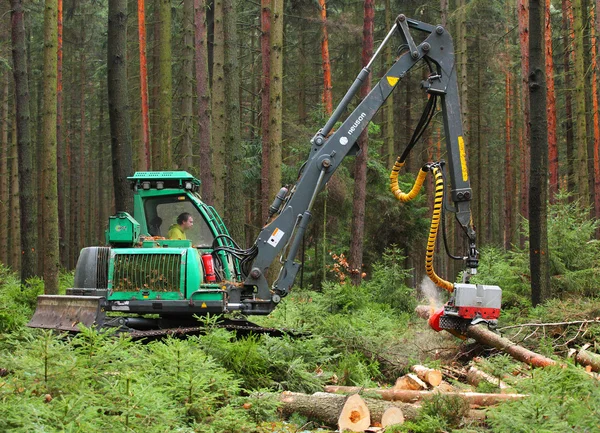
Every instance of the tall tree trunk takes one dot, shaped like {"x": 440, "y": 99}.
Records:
{"x": 360, "y": 168}
{"x": 28, "y": 217}
{"x": 508, "y": 145}
{"x": 327, "y": 98}
{"x": 265, "y": 93}
{"x": 551, "y": 101}
{"x": 219, "y": 118}
{"x": 4, "y": 193}
{"x": 144, "y": 156}
{"x": 581, "y": 151}
{"x": 444, "y": 12}
{"x": 187, "y": 110}
{"x": 203, "y": 96}
{"x": 276, "y": 98}
{"x": 50, "y": 195}
{"x": 589, "y": 115}
{"x": 120, "y": 129}
{"x": 83, "y": 161}
{"x": 538, "y": 210}
{"x": 60, "y": 146}
{"x": 568, "y": 36}
{"x": 75, "y": 167}
{"x": 164, "y": 127}
{"x": 523, "y": 13}
{"x": 596, "y": 73}
{"x": 234, "y": 195}
{"x": 15, "y": 234}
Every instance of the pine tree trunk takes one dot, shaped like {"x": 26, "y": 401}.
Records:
{"x": 15, "y": 235}
{"x": 120, "y": 129}
{"x": 203, "y": 96}
{"x": 4, "y": 193}
{"x": 60, "y": 147}
{"x": 568, "y": 36}
{"x": 276, "y": 99}
{"x": 595, "y": 72}
{"x": 75, "y": 177}
{"x": 144, "y": 162}
{"x": 28, "y": 217}
{"x": 234, "y": 194}
{"x": 164, "y": 133}
{"x": 581, "y": 151}
{"x": 508, "y": 163}
{"x": 83, "y": 222}
{"x": 265, "y": 93}
{"x": 523, "y": 14}
{"x": 551, "y": 101}
{"x": 50, "y": 194}
{"x": 538, "y": 181}
{"x": 589, "y": 115}
{"x": 219, "y": 117}
{"x": 187, "y": 127}
{"x": 327, "y": 98}
{"x": 360, "y": 168}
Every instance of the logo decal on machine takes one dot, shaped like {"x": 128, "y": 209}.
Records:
{"x": 355, "y": 125}
{"x": 343, "y": 141}
{"x": 275, "y": 237}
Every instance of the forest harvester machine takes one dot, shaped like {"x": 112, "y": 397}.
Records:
{"x": 156, "y": 284}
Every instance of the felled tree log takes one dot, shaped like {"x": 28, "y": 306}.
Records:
{"x": 475, "y": 376}
{"x": 326, "y": 407}
{"x": 484, "y": 335}
{"x": 408, "y": 396}
{"x": 431, "y": 376}
{"x": 590, "y": 359}
{"x": 424, "y": 311}
{"x": 410, "y": 381}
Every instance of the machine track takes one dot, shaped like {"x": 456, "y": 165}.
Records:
{"x": 241, "y": 327}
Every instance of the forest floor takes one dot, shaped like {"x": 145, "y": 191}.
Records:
{"x": 217, "y": 383}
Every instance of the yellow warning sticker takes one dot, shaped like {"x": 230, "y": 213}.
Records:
{"x": 392, "y": 81}
{"x": 203, "y": 305}
{"x": 463, "y": 158}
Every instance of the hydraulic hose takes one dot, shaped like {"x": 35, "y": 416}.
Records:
{"x": 433, "y": 230}
{"x": 395, "y": 187}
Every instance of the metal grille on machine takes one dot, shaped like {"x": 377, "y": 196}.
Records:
{"x": 102, "y": 267}
{"x": 156, "y": 272}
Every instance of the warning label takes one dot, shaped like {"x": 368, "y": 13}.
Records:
{"x": 275, "y": 237}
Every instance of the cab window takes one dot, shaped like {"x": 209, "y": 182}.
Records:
{"x": 162, "y": 213}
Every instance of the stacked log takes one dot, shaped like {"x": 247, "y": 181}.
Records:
{"x": 412, "y": 396}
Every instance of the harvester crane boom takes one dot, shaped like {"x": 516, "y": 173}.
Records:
{"x": 328, "y": 149}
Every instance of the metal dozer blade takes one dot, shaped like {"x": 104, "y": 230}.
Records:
{"x": 65, "y": 313}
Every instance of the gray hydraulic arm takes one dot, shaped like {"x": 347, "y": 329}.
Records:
{"x": 292, "y": 209}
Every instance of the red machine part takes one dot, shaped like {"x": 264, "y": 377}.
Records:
{"x": 484, "y": 313}
{"x": 209, "y": 268}
{"x": 434, "y": 320}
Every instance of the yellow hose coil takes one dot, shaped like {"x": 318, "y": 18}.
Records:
{"x": 435, "y": 222}
{"x": 395, "y": 187}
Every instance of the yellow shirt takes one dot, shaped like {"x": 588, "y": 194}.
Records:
{"x": 175, "y": 232}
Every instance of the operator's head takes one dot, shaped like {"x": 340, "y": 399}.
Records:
{"x": 185, "y": 221}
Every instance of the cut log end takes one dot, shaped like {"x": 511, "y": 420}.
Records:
{"x": 355, "y": 415}
{"x": 392, "y": 416}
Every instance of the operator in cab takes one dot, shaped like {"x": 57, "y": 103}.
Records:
{"x": 177, "y": 230}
